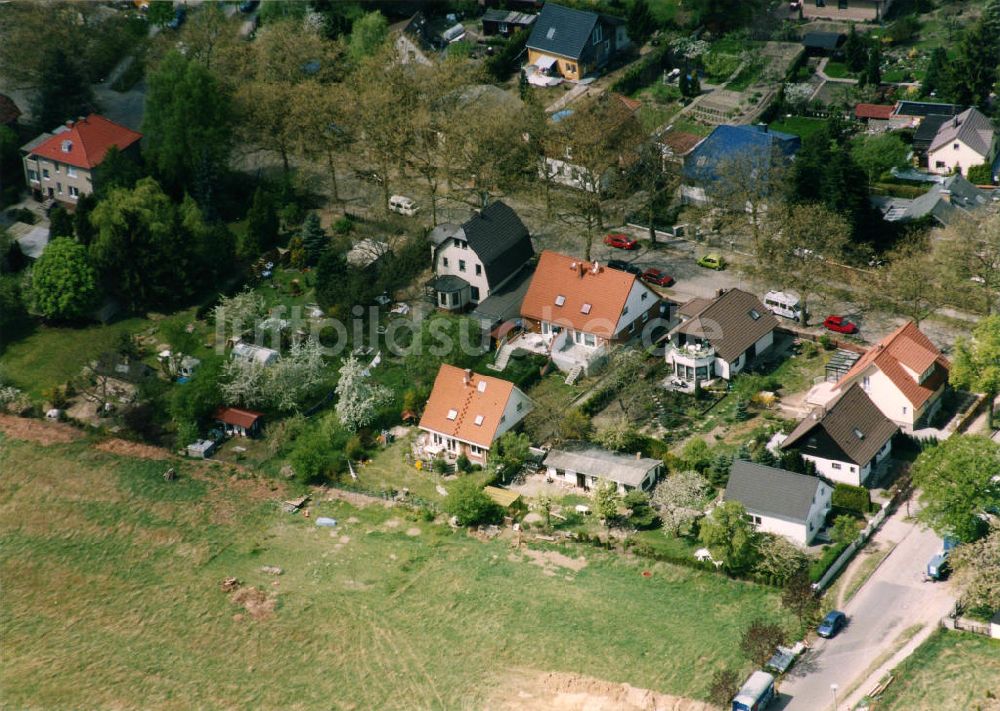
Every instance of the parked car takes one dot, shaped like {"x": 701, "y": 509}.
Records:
{"x": 938, "y": 567}
{"x": 834, "y": 621}
{"x": 624, "y": 267}
{"x": 180, "y": 14}
{"x": 658, "y": 277}
{"x": 839, "y": 324}
{"x": 712, "y": 260}
{"x": 620, "y": 241}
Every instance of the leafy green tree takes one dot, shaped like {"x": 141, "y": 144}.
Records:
{"x": 730, "y": 537}
{"x": 275, "y": 10}
{"x": 11, "y": 171}
{"x": 976, "y": 365}
{"x": 640, "y": 513}
{"x": 981, "y": 174}
{"x": 575, "y": 425}
{"x": 620, "y": 437}
{"x": 799, "y": 597}
{"x": 63, "y": 281}
{"x": 64, "y": 92}
{"x": 855, "y": 50}
{"x": 191, "y": 405}
{"x": 760, "y": 640}
{"x": 147, "y": 250}
{"x": 188, "y": 126}
{"x": 82, "y": 226}
{"x": 12, "y": 309}
{"x": 606, "y": 501}
{"x": 936, "y": 80}
{"x": 262, "y": 226}
{"x": 641, "y": 23}
{"x": 977, "y": 570}
{"x": 314, "y": 238}
{"x": 974, "y": 69}
{"x": 160, "y": 12}
{"x": 959, "y": 481}
{"x": 845, "y": 530}
{"x": 697, "y": 455}
{"x": 368, "y": 34}
{"x": 116, "y": 170}
{"x": 780, "y": 559}
{"x": 513, "y": 450}
{"x": 876, "y": 154}
{"x": 725, "y": 15}
{"x": 60, "y": 223}
{"x": 469, "y": 504}
{"x": 313, "y": 456}
{"x": 872, "y": 73}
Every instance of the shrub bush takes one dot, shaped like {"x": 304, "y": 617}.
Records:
{"x": 819, "y": 566}
{"x": 468, "y": 503}
{"x": 852, "y": 498}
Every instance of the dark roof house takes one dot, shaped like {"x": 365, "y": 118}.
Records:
{"x": 505, "y": 22}
{"x": 779, "y": 501}
{"x": 922, "y": 109}
{"x": 500, "y": 239}
{"x": 731, "y": 323}
{"x": 850, "y": 429}
{"x": 945, "y": 202}
{"x": 583, "y": 40}
{"x": 823, "y": 42}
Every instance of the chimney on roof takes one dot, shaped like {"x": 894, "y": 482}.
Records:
{"x": 954, "y": 122}
{"x": 81, "y": 119}
{"x": 763, "y": 127}
{"x": 638, "y": 455}
{"x": 719, "y": 292}
{"x": 468, "y": 376}
{"x": 946, "y": 196}
{"x": 69, "y": 123}
{"x": 596, "y": 268}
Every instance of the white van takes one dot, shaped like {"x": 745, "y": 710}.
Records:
{"x": 783, "y": 304}
{"x": 403, "y": 205}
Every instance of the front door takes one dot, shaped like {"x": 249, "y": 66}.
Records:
{"x": 52, "y": 193}
{"x": 581, "y": 481}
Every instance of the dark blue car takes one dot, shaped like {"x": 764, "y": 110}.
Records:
{"x": 832, "y": 624}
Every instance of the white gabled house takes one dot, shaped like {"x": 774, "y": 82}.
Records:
{"x": 961, "y": 142}
{"x": 582, "y": 466}
{"x": 779, "y": 501}
{"x": 718, "y": 338}
{"x": 467, "y": 412}
{"x": 846, "y": 440}
{"x": 904, "y": 374}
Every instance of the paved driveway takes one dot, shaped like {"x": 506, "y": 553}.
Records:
{"x": 894, "y": 599}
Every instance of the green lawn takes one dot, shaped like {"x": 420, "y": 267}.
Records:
{"x": 748, "y": 75}
{"x": 951, "y": 670}
{"x": 801, "y": 126}
{"x": 837, "y": 70}
{"x": 112, "y": 599}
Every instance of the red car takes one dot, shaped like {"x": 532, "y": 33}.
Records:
{"x": 839, "y": 324}
{"x": 620, "y": 241}
{"x": 658, "y": 277}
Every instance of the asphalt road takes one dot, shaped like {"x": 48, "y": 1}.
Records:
{"x": 894, "y": 599}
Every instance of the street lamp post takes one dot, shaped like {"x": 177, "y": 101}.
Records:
{"x": 833, "y": 688}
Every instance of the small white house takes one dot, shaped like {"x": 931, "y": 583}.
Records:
{"x": 846, "y": 440}
{"x": 779, "y": 501}
{"x": 962, "y": 142}
{"x": 582, "y": 467}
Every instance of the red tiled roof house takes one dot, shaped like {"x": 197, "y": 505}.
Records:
{"x": 60, "y": 165}
{"x": 576, "y": 309}
{"x": 467, "y": 412}
{"x": 237, "y": 421}
{"x": 904, "y": 374}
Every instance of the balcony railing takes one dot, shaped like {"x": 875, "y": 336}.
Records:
{"x": 694, "y": 351}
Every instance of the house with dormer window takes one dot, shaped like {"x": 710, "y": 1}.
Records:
{"x": 575, "y": 310}
{"x": 846, "y": 440}
{"x": 904, "y": 374}
{"x": 573, "y": 43}
{"x": 60, "y": 165}
{"x": 779, "y": 501}
{"x": 467, "y": 412}
{"x": 718, "y": 338}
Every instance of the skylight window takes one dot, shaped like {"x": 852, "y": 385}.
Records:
{"x": 452, "y": 414}
{"x": 560, "y": 300}
{"x": 551, "y": 33}
{"x": 858, "y": 433}
{"x": 754, "y": 314}
{"x": 479, "y": 420}
{"x": 585, "y": 309}
{"x": 481, "y": 387}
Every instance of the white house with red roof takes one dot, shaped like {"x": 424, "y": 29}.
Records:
{"x": 467, "y": 412}
{"x": 575, "y": 310}
{"x": 904, "y": 374}
{"x": 60, "y": 165}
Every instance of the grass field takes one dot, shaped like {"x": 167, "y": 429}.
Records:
{"x": 837, "y": 70}
{"x": 112, "y": 599}
{"x": 951, "y": 670}
{"x": 800, "y": 126}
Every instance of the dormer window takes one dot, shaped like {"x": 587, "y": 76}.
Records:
{"x": 452, "y": 414}
{"x": 560, "y": 300}
{"x": 67, "y": 146}
{"x": 858, "y": 433}
{"x": 754, "y": 314}
{"x": 585, "y": 309}
{"x": 479, "y": 420}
